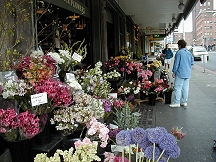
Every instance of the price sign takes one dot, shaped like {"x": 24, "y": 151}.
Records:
{"x": 76, "y": 57}
{"x": 38, "y": 99}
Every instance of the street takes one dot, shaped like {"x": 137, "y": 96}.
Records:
{"x": 210, "y": 65}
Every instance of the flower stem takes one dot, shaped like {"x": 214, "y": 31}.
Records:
{"x": 137, "y": 152}
{"x": 129, "y": 153}
{"x": 168, "y": 159}
{"x": 123, "y": 155}
{"x": 160, "y": 155}
{"x": 153, "y": 156}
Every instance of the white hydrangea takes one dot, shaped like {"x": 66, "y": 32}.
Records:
{"x": 65, "y": 53}
{"x": 56, "y": 57}
{"x": 37, "y": 53}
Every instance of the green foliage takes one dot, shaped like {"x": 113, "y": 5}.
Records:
{"x": 139, "y": 51}
{"x": 13, "y": 15}
{"x": 125, "y": 119}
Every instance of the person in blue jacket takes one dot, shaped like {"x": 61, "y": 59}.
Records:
{"x": 181, "y": 71}
{"x": 168, "y": 54}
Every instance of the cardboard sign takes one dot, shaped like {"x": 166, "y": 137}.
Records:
{"x": 38, "y": 99}
{"x": 76, "y": 57}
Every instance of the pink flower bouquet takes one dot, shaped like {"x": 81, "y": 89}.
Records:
{"x": 16, "y": 127}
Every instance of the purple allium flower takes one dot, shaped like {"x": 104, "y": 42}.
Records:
{"x": 144, "y": 144}
{"x": 174, "y": 152}
{"x": 149, "y": 152}
{"x": 123, "y": 138}
{"x": 155, "y": 135}
{"x": 167, "y": 142}
{"x": 138, "y": 135}
{"x": 162, "y": 129}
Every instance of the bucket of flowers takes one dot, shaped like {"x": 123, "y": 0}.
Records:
{"x": 168, "y": 89}
{"x": 153, "y": 89}
{"x": 18, "y": 129}
{"x": 128, "y": 90}
{"x": 113, "y": 77}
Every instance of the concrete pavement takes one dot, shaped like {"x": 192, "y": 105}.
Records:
{"x": 198, "y": 119}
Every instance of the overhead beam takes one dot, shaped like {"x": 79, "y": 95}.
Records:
{"x": 202, "y": 1}
{"x": 189, "y": 7}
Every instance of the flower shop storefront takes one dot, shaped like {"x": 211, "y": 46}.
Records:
{"x": 58, "y": 112}
{"x": 82, "y": 116}
{"x": 106, "y": 29}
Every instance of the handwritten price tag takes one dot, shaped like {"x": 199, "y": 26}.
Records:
{"x": 76, "y": 57}
{"x": 114, "y": 95}
{"x": 38, "y": 99}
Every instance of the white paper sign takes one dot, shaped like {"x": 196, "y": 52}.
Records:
{"x": 38, "y": 99}
{"x": 76, "y": 57}
{"x": 114, "y": 95}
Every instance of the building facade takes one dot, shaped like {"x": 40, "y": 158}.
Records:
{"x": 204, "y": 20}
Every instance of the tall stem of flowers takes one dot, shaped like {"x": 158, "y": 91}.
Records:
{"x": 153, "y": 156}
{"x": 129, "y": 153}
{"x": 137, "y": 152}
{"x": 141, "y": 157}
{"x": 123, "y": 155}
{"x": 160, "y": 155}
{"x": 168, "y": 159}
{"x": 82, "y": 132}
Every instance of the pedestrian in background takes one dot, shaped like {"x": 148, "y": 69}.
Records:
{"x": 168, "y": 54}
{"x": 182, "y": 67}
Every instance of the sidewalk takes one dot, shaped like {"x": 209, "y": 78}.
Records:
{"x": 198, "y": 119}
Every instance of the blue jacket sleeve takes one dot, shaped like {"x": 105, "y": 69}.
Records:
{"x": 176, "y": 63}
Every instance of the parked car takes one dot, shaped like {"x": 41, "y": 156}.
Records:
{"x": 198, "y": 52}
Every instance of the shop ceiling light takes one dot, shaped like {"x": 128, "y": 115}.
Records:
{"x": 74, "y": 17}
{"x": 181, "y": 5}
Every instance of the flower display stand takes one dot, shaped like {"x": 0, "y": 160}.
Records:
{"x": 20, "y": 150}
{"x": 49, "y": 148}
{"x": 2, "y": 145}
{"x": 5, "y": 157}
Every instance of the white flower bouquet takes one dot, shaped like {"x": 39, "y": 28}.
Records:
{"x": 93, "y": 81}
{"x": 85, "y": 151}
{"x": 67, "y": 119}
{"x": 112, "y": 75}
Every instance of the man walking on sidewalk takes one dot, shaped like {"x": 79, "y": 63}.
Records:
{"x": 182, "y": 67}
{"x": 168, "y": 55}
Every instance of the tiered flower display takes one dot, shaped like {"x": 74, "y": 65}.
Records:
{"x": 36, "y": 92}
